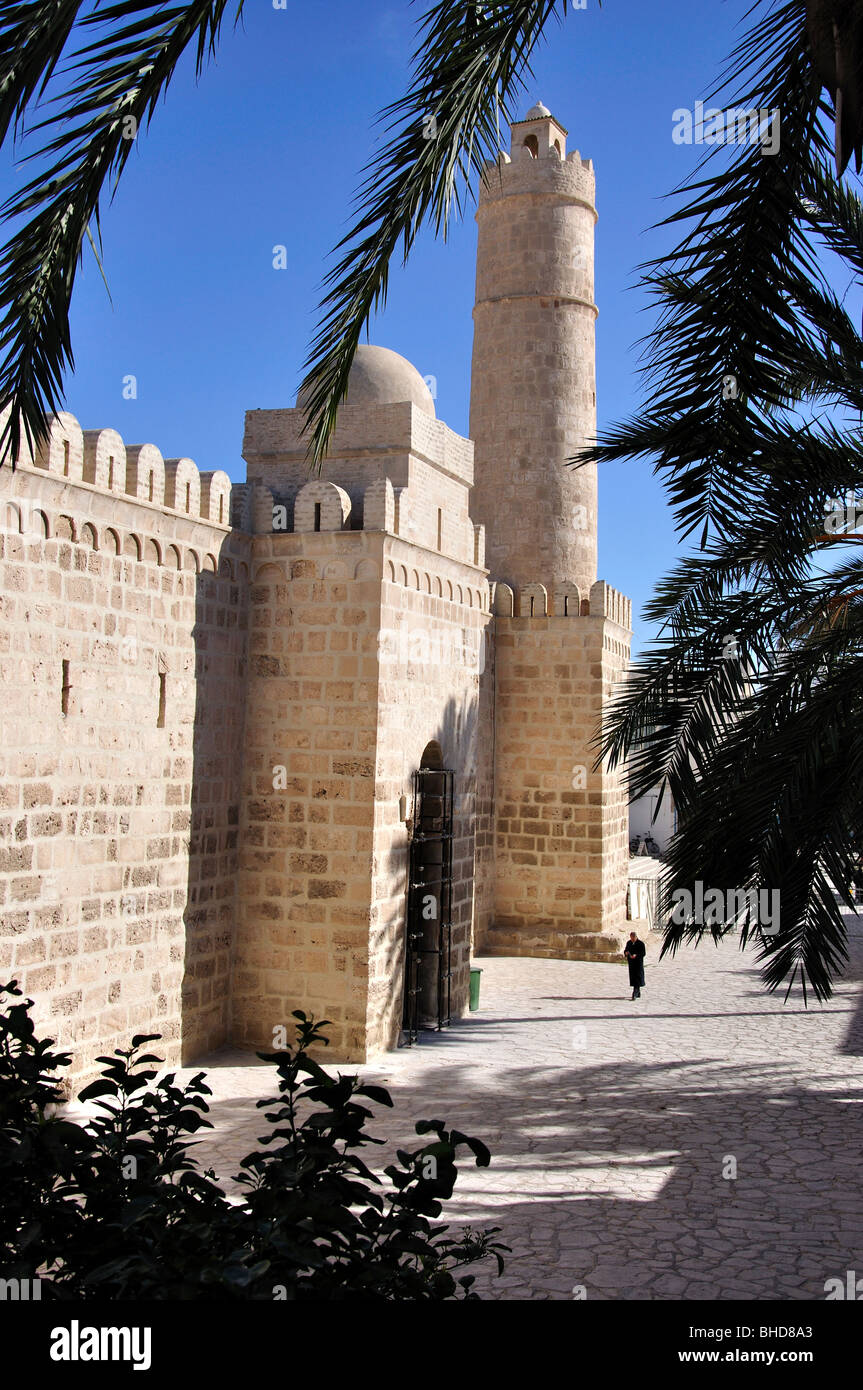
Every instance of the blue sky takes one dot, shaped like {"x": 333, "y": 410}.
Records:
{"x": 267, "y": 149}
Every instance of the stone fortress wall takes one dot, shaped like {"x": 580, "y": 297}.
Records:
{"x": 561, "y": 826}
{"x": 561, "y": 637}
{"x": 125, "y": 607}
{"x": 214, "y": 698}
{"x": 374, "y": 652}
{"x": 207, "y": 729}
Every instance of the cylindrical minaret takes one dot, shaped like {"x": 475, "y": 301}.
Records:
{"x": 533, "y": 383}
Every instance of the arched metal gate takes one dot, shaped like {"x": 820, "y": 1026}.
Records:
{"x": 428, "y": 953}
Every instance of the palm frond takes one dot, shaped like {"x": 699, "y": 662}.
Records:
{"x": 721, "y": 294}
{"x": 110, "y": 88}
{"x": 469, "y": 66}
{"x": 746, "y": 709}
{"x": 33, "y": 36}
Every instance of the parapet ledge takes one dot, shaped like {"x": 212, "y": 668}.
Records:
{"x": 100, "y": 459}
{"x": 276, "y": 437}
{"x": 568, "y": 177}
{"x": 490, "y": 164}
{"x": 606, "y": 602}
{"x": 321, "y": 505}
{"x": 563, "y": 600}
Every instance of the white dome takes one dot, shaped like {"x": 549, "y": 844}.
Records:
{"x": 380, "y": 376}
{"x": 536, "y": 112}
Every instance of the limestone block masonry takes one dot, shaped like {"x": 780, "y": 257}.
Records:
{"x": 214, "y": 698}
{"x": 533, "y": 381}
{"x": 122, "y": 694}
{"x": 561, "y": 828}
{"x": 561, "y": 637}
{"x": 367, "y": 644}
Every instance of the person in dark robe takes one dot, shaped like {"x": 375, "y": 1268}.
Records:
{"x": 634, "y": 952}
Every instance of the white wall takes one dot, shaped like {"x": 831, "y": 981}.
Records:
{"x": 641, "y": 820}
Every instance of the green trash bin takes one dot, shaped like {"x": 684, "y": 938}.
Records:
{"x": 475, "y": 973}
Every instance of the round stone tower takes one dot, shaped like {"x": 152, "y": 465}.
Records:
{"x": 533, "y": 384}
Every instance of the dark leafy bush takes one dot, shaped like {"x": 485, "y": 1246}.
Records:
{"x": 117, "y": 1207}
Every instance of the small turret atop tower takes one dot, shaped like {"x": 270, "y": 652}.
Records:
{"x": 539, "y": 133}
{"x": 533, "y": 386}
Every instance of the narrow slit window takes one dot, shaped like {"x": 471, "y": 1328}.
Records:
{"x": 64, "y": 689}
{"x": 65, "y": 458}
{"x": 111, "y": 473}
{"x": 160, "y": 720}
{"x": 317, "y": 516}
{"x": 188, "y": 496}
{"x": 221, "y": 509}
{"x": 439, "y": 527}
{"x": 151, "y": 488}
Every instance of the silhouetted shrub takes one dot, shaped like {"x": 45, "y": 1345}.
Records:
{"x": 117, "y": 1208}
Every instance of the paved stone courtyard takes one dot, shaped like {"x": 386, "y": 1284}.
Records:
{"x": 610, "y": 1123}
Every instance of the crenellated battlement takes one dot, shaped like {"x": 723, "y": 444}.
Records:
{"x": 563, "y": 600}
{"x": 216, "y": 698}
{"x": 100, "y": 460}
{"x": 323, "y": 505}
{"x": 572, "y": 178}
{"x": 539, "y": 163}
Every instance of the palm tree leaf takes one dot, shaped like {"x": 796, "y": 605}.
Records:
{"x": 112, "y": 85}
{"x": 722, "y": 315}
{"x": 33, "y": 36}
{"x": 469, "y": 66}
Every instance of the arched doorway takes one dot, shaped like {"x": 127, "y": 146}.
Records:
{"x": 428, "y": 944}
